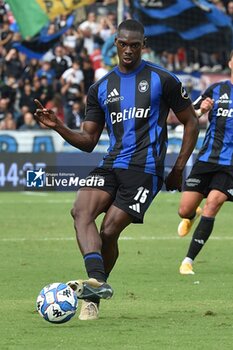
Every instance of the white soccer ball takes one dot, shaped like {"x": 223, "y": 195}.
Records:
{"x": 57, "y": 303}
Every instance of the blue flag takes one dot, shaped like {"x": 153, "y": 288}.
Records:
{"x": 177, "y": 23}
{"x": 37, "y": 46}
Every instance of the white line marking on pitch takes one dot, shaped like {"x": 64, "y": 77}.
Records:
{"x": 124, "y": 238}
{"x": 31, "y": 201}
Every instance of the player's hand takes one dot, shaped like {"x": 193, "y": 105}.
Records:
{"x": 45, "y": 116}
{"x": 174, "y": 180}
{"x": 206, "y": 105}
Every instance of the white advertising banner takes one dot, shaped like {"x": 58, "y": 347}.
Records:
{"x": 49, "y": 141}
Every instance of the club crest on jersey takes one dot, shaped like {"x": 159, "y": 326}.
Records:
{"x": 184, "y": 93}
{"x": 143, "y": 86}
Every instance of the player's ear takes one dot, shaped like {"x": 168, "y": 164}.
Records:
{"x": 115, "y": 41}
{"x": 230, "y": 64}
{"x": 144, "y": 42}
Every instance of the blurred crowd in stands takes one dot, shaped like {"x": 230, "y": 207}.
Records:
{"x": 62, "y": 78}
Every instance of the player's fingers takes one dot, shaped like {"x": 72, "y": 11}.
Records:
{"x": 37, "y": 116}
{"x": 39, "y": 105}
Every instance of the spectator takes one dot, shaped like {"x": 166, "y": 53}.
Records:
{"x": 36, "y": 86}
{"x": 12, "y": 64}
{"x": 72, "y": 82}
{"x": 75, "y": 116}
{"x": 74, "y": 74}
{"x": 3, "y": 12}
{"x": 5, "y": 35}
{"x": 20, "y": 118}
{"x": 220, "y": 5}
{"x": 149, "y": 55}
{"x": 8, "y": 123}
{"x": 29, "y": 123}
{"x": 60, "y": 62}
{"x": 27, "y": 97}
{"x": 88, "y": 73}
{"x": 46, "y": 71}
{"x": 9, "y": 89}
{"x": 90, "y": 24}
{"x": 230, "y": 9}
{"x": 4, "y": 108}
{"x": 88, "y": 40}
{"x": 96, "y": 57}
{"x": 30, "y": 69}
{"x": 70, "y": 40}
{"x": 46, "y": 90}
{"x": 100, "y": 72}
{"x": 106, "y": 28}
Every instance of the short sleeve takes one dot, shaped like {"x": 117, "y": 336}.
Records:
{"x": 94, "y": 112}
{"x": 175, "y": 94}
{"x": 207, "y": 93}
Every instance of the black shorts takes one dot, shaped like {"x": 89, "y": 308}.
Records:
{"x": 205, "y": 177}
{"x": 132, "y": 191}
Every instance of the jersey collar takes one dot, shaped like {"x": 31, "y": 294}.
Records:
{"x": 128, "y": 75}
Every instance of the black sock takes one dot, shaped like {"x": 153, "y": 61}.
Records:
{"x": 95, "y": 266}
{"x": 95, "y": 269}
{"x": 200, "y": 236}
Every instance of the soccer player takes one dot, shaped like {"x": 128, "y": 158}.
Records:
{"x": 133, "y": 101}
{"x": 212, "y": 174}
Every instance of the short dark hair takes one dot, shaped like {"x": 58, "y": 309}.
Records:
{"x": 231, "y": 55}
{"x": 131, "y": 25}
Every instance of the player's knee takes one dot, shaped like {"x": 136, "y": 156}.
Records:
{"x": 77, "y": 212}
{"x": 184, "y": 211}
{"x": 72, "y": 213}
{"x": 82, "y": 215}
{"x": 109, "y": 230}
{"x": 211, "y": 208}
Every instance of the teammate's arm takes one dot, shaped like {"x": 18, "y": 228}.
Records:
{"x": 204, "y": 105}
{"x": 84, "y": 140}
{"x": 191, "y": 129}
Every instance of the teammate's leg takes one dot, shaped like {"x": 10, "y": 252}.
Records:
{"x": 203, "y": 231}
{"x": 189, "y": 211}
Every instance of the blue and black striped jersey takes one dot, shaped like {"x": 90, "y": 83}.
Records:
{"x": 134, "y": 107}
{"x": 217, "y": 146}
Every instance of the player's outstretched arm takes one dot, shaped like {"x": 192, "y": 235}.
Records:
{"x": 189, "y": 119}
{"x": 84, "y": 140}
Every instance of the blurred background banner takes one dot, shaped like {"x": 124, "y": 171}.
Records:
{"x": 33, "y": 15}
{"x": 54, "y": 8}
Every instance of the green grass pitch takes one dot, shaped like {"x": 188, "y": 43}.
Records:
{"x": 153, "y": 306}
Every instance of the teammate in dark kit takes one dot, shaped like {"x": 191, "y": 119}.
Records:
{"x": 212, "y": 174}
{"x": 133, "y": 101}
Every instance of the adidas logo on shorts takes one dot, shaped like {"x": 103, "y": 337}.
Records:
{"x": 135, "y": 207}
